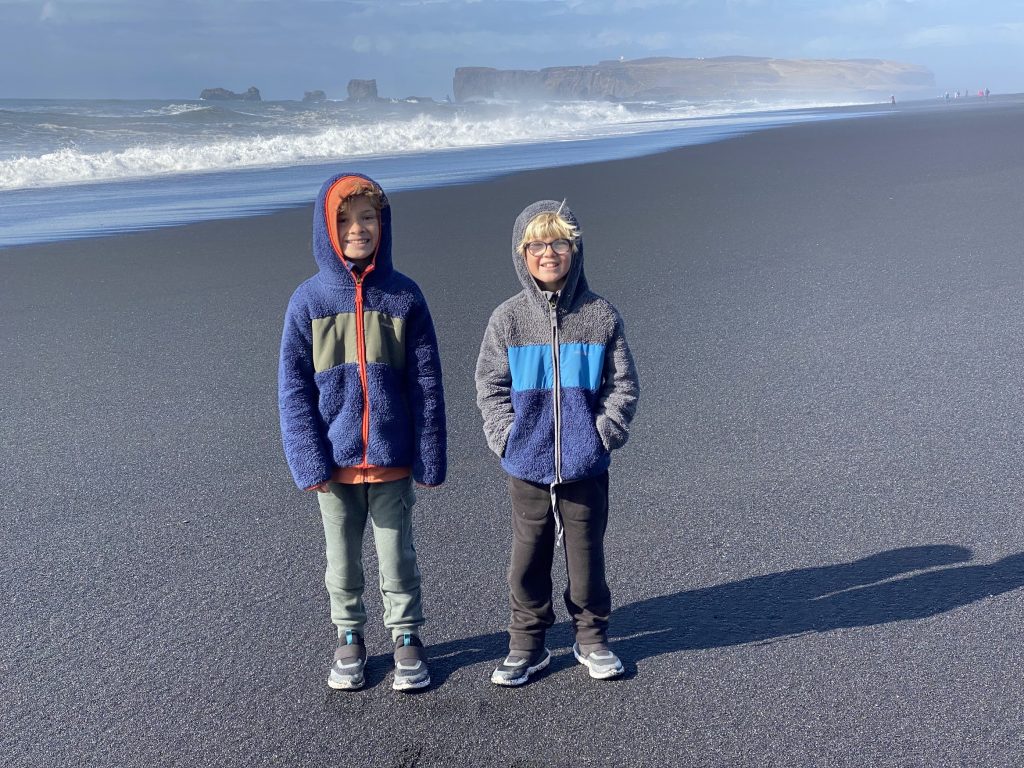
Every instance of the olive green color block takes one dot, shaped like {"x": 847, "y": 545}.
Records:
{"x": 385, "y": 339}
{"x": 334, "y": 340}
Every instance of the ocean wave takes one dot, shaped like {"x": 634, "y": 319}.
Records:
{"x": 419, "y": 134}
{"x": 306, "y": 137}
{"x": 179, "y": 109}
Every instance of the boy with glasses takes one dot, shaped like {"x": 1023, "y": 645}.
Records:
{"x": 557, "y": 389}
{"x": 362, "y": 416}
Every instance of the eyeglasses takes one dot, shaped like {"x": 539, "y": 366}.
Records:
{"x": 538, "y": 247}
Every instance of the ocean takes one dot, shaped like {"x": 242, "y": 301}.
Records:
{"x": 71, "y": 169}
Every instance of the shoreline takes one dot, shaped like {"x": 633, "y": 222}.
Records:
{"x": 117, "y": 207}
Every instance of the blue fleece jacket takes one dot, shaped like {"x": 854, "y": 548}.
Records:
{"x": 359, "y": 388}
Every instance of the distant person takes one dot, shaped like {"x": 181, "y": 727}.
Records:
{"x": 557, "y": 389}
{"x": 362, "y": 416}
{"x": 892, "y": 99}
{"x": 986, "y": 93}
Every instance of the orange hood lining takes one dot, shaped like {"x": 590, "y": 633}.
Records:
{"x": 339, "y": 190}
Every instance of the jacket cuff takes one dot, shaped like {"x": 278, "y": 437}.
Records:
{"x": 307, "y": 480}
{"x": 429, "y": 475}
{"x": 611, "y": 438}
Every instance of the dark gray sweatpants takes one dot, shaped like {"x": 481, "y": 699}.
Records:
{"x": 584, "y": 509}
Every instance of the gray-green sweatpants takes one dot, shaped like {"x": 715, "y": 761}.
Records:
{"x": 389, "y": 507}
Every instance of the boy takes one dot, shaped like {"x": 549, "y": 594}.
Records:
{"x": 557, "y": 389}
{"x": 362, "y": 415}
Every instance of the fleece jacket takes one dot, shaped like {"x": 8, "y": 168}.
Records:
{"x": 555, "y": 379}
{"x": 359, "y": 380}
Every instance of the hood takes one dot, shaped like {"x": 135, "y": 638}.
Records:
{"x": 326, "y": 248}
{"x": 575, "y": 281}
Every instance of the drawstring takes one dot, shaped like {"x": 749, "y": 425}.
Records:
{"x": 559, "y": 529}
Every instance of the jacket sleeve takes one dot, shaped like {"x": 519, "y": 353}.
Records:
{"x": 620, "y": 390}
{"x": 426, "y": 398}
{"x": 302, "y": 429}
{"x": 494, "y": 386}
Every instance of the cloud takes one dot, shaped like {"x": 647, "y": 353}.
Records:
{"x": 1011, "y": 32}
{"x": 833, "y": 46}
{"x": 871, "y": 12}
{"x": 952, "y": 36}
{"x": 618, "y": 7}
{"x": 621, "y": 38}
{"x": 942, "y": 34}
{"x": 740, "y": 4}
{"x": 49, "y": 12}
{"x": 716, "y": 42}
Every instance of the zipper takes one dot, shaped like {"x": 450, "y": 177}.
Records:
{"x": 556, "y": 400}
{"x": 361, "y": 353}
{"x": 556, "y": 386}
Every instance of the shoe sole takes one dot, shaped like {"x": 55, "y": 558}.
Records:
{"x": 415, "y": 686}
{"x": 517, "y": 681}
{"x": 594, "y": 673}
{"x": 346, "y": 685}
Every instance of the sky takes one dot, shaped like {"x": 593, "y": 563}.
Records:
{"x": 175, "y": 48}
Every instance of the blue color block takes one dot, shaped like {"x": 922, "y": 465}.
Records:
{"x": 581, "y": 365}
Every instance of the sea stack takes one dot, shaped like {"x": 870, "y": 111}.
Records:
{"x": 223, "y": 94}
{"x": 362, "y": 90}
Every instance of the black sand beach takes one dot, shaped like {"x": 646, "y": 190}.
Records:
{"x": 816, "y": 545}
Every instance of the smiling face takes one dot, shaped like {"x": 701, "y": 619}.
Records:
{"x": 548, "y": 247}
{"x": 549, "y": 267}
{"x": 358, "y": 229}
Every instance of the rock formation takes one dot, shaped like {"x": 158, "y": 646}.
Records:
{"x": 732, "y": 77}
{"x": 315, "y": 96}
{"x": 223, "y": 94}
{"x": 362, "y": 90}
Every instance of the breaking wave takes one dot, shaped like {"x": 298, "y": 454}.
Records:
{"x": 306, "y": 137}
{"x": 310, "y": 144}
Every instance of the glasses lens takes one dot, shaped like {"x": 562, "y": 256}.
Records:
{"x": 538, "y": 247}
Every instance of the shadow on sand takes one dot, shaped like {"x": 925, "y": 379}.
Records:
{"x": 898, "y": 585}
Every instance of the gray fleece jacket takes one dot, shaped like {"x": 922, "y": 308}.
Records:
{"x": 555, "y": 380}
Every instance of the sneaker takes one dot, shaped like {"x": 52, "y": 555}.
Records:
{"x": 602, "y": 663}
{"x": 519, "y": 665}
{"x": 349, "y": 663}
{"x": 411, "y": 672}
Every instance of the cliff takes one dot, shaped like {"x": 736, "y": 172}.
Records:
{"x": 733, "y": 77}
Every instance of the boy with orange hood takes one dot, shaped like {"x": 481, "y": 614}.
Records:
{"x": 362, "y": 418}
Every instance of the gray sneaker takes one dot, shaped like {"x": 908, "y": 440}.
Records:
{"x": 349, "y": 663}
{"x": 411, "y": 671}
{"x": 602, "y": 663}
{"x": 519, "y": 665}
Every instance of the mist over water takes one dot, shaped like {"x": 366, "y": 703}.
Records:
{"x": 52, "y": 143}
{"x": 123, "y": 165}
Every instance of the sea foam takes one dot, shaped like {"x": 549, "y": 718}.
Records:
{"x": 297, "y": 138}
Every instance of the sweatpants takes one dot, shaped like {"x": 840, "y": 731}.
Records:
{"x": 584, "y": 510}
{"x": 388, "y": 506}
